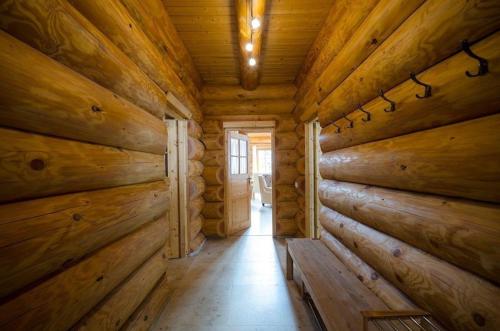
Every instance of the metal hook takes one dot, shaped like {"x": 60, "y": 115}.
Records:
{"x": 338, "y": 128}
{"x": 351, "y": 123}
{"x": 368, "y": 116}
{"x": 428, "y": 88}
{"x": 393, "y": 104}
{"x": 483, "y": 63}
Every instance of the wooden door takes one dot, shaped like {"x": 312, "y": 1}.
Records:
{"x": 238, "y": 182}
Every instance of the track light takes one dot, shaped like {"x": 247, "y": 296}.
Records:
{"x": 252, "y": 62}
{"x": 255, "y": 23}
{"x": 249, "y": 47}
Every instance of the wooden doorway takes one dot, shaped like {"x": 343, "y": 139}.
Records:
{"x": 312, "y": 155}
{"x": 239, "y": 181}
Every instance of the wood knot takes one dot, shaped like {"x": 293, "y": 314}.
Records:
{"x": 374, "y": 276}
{"x": 374, "y": 41}
{"x": 355, "y": 245}
{"x": 341, "y": 225}
{"x": 77, "y": 217}
{"x": 399, "y": 279}
{"x": 67, "y": 263}
{"x": 396, "y": 252}
{"x": 37, "y": 164}
{"x": 99, "y": 278}
{"x": 479, "y": 319}
{"x": 360, "y": 277}
{"x": 403, "y": 167}
{"x": 145, "y": 317}
{"x": 96, "y": 109}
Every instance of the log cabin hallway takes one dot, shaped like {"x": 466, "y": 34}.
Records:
{"x": 131, "y": 135}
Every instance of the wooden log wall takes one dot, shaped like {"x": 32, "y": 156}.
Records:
{"x": 84, "y": 193}
{"x": 266, "y": 102}
{"x": 196, "y": 184}
{"x": 410, "y": 181}
{"x": 286, "y": 139}
{"x": 214, "y": 162}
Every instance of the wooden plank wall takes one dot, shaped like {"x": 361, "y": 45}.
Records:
{"x": 267, "y": 102}
{"x": 410, "y": 193}
{"x": 84, "y": 196}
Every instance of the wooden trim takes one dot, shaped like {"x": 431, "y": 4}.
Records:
{"x": 173, "y": 175}
{"x": 183, "y": 191}
{"x": 249, "y": 124}
{"x": 177, "y": 106}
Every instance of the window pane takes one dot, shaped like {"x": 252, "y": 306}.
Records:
{"x": 234, "y": 165}
{"x": 234, "y": 146}
{"x": 243, "y": 148}
{"x": 243, "y": 165}
{"x": 264, "y": 161}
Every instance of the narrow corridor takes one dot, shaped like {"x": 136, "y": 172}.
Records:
{"x": 235, "y": 284}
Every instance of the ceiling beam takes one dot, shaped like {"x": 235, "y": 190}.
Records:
{"x": 236, "y": 92}
{"x": 249, "y": 76}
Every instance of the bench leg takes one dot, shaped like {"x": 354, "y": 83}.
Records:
{"x": 289, "y": 265}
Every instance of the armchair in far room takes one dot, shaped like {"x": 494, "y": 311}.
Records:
{"x": 266, "y": 189}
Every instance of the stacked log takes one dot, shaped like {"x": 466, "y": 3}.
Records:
{"x": 300, "y": 167}
{"x": 461, "y": 300}
{"x": 286, "y": 139}
{"x": 196, "y": 183}
{"x": 214, "y": 162}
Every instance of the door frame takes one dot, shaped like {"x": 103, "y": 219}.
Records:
{"x": 312, "y": 157}
{"x": 249, "y": 126}
{"x": 176, "y": 164}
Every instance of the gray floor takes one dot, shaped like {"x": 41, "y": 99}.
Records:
{"x": 262, "y": 219}
{"x": 235, "y": 284}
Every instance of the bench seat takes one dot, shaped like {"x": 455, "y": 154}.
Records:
{"x": 338, "y": 295}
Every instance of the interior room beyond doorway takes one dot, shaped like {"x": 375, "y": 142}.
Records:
{"x": 260, "y": 172}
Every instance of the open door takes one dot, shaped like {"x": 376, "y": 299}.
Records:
{"x": 239, "y": 187}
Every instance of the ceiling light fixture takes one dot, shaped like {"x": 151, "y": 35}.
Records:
{"x": 249, "y": 47}
{"x": 255, "y": 23}
{"x": 252, "y": 62}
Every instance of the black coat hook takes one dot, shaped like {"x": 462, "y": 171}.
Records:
{"x": 338, "y": 128}
{"x": 393, "y": 104}
{"x": 351, "y": 123}
{"x": 483, "y": 63}
{"x": 428, "y": 88}
{"x": 368, "y": 116}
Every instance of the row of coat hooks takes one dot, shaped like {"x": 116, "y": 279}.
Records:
{"x": 482, "y": 70}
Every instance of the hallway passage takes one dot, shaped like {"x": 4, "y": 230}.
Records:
{"x": 235, "y": 284}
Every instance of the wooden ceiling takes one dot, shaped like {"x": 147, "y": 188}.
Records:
{"x": 209, "y": 30}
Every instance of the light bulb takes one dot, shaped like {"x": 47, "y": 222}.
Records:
{"x": 255, "y": 23}
{"x": 252, "y": 62}
{"x": 249, "y": 47}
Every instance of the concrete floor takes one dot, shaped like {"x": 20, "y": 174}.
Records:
{"x": 235, "y": 284}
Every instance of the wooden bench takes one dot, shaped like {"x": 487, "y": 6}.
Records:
{"x": 339, "y": 297}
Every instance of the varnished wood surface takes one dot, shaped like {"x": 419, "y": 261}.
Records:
{"x": 213, "y": 175}
{"x": 285, "y": 175}
{"x": 285, "y": 193}
{"x": 286, "y": 157}
{"x": 213, "y": 141}
{"x": 286, "y": 209}
{"x": 446, "y": 161}
{"x": 155, "y": 22}
{"x": 113, "y": 19}
{"x": 337, "y": 294}
{"x": 149, "y": 310}
{"x": 458, "y": 299}
{"x": 430, "y": 35}
{"x": 44, "y": 96}
{"x": 35, "y": 165}
{"x": 62, "y": 300}
{"x": 46, "y": 235}
{"x": 195, "y": 149}
{"x": 214, "y": 227}
{"x": 248, "y": 107}
{"x": 196, "y": 187}
{"x": 195, "y": 168}
{"x": 213, "y": 158}
{"x": 214, "y": 193}
{"x": 381, "y": 22}
{"x": 194, "y": 129}
{"x": 342, "y": 21}
{"x": 245, "y": 12}
{"x": 55, "y": 28}
{"x": 114, "y": 310}
{"x": 213, "y": 210}
{"x": 237, "y": 93}
{"x": 462, "y": 232}
{"x": 212, "y": 126}
{"x": 455, "y": 98}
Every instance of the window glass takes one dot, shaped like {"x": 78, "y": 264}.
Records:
{"x": 234, "y": 165}
{"x": 264, "y": 161}
{"x": 234, "y": 147}
{"x": 243, "y": 148}
{"x": 243, "y": 165}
